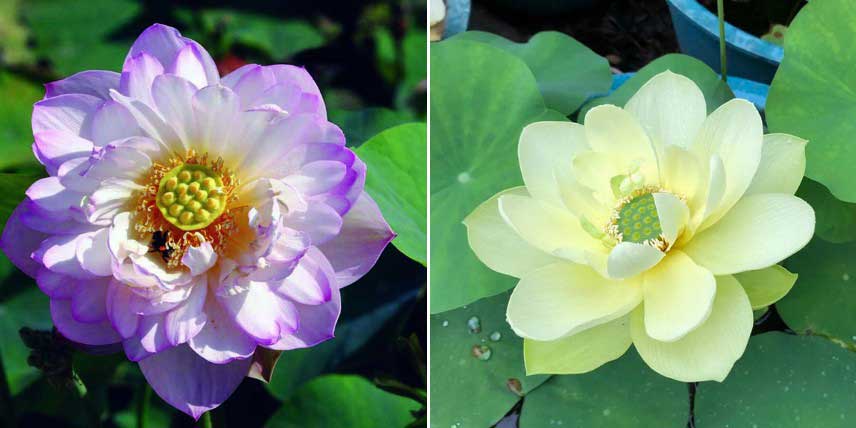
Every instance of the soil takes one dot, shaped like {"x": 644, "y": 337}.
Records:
{"x": 629, "y": 33}
{"x": 757, "y": 16}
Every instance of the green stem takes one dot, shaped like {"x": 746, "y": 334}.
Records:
{"x": 720, "y": 11}
{"x": 143, "y": 405}
{"x": 206, "y": 420}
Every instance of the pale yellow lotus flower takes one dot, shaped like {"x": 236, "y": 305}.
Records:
{"x": 652, "y": 224}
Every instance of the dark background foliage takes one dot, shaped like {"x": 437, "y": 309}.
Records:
{"x": 368, "y": 58}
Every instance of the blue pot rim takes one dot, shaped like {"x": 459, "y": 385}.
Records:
{"x": 739, "y": 39}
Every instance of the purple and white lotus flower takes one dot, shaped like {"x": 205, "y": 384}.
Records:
{"x": 192, "y": 218}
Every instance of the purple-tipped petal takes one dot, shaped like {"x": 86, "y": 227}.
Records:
{"x": 91, "y": 82}
{"x": 189, "y": 382}
{"x": 53, "y": 147}
{"x": 187, "y": 319}
{"x": 260, "y": 312}
{"x": 100, "y": 333}
{"x": 364, "y": 235}
{"x": 50, "y": 195}
{"x": 59, "y": 254}
{"x": 71, "y": 113}
{"x": 113, "y": 122}
{"x": 173, "y": 96}
{"x": 252, "y": 84}
{"x": 55, "y": 285}
{"x": 138, "y": 75}
{"x": 317, "y": 324}
{"x": 134, "y": 350}
{"x": 300, "y": 77}
{"x": 221, "y": 340}
{"x": 312, "y": 282}
{"x": 320, "y": 221}
{"x": 124, "y": 321}
{"x": 89, "y": 302}
{"x": 152, "y": 333}
{"x": 161, "y": 42}
{"x": 195, "y": 64}
{"x": 18, "y": 242}
{"x": 318, "y": 177}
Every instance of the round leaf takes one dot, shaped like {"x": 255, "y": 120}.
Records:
{"x": 343, "y": 401}
{"x": 481, "y": 98}
{"x": 567, "y": 71}
{"x": 812, "y": 97}
{"x": 396, "y": 180}
{"x": 466, "y": 390}
{"x": 783, "y": 381}
{"x": 835, "y": 219}
{"x": 823, "y": 300}
{"x": 622, "y": 393}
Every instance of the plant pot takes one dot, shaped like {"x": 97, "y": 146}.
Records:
{"x": 748, "y": 56}
{"x": 754, "y": 92}
{"x": 457, "y": 17}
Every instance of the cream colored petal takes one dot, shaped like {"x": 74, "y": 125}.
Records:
{"x": 766, "y": 286}
{"x": 760, "y": 231}
{"x": 782, "y": 165}
{"x": 565, "y": 298}
{"x": 544, "y": 148}
{"x": 546, "y": 226}
{"x": 678, "y": 297}
{"x": 581, "y": 199}
{"x": 707, "y": 199}
{"x": 612, "y": 130}
{"x": 681, "y": 173}
{"x": 595, "y": 171}
{"x": 709, "y": 351}
{"x": 628, "y": 259}
{"x": 580, "y": 353}
{"x": 497, "y": 245}
{"x": 735, "y": 133}
{"x": 671, "y": 108}
{"x": 673, "y": 214}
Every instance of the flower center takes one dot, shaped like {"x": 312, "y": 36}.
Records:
{"x": 191, "y": 196}
{"x": 638, "y": 220}
{"x": 186, "y": 201}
